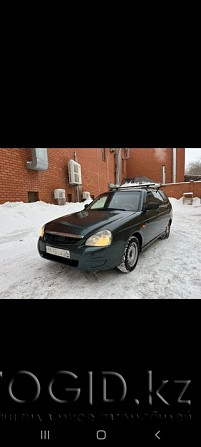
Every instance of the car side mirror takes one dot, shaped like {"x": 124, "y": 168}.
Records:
{"x": 151, "y": 206}
{"x": 86, "y": 206}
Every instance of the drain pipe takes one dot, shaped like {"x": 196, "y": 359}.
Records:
{"x": 39, "y": 159}
{"x": 118, "y": 167}
{"x": 174, "y": 165}
{"x": 163, "y": 174}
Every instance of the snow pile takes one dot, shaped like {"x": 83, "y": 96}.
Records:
{"x": 20, "y": 217}
{"x": 168, "y": 269}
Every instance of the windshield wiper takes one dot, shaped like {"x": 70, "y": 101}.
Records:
{"x": 115, "y": 209}
{"x": 109, "y": 209}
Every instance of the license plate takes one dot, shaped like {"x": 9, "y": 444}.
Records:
{"x": 58, "y": 252}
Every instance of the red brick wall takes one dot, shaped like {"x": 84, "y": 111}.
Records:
{"x": 196, "y": 189}
{"x": 96, "y": 173}
{"x": 16, "y": 180}
{"x": 177, "y": 190}
{"x": 180, "y": 164}
{"x": 12, "y": 175}
{"x": 149, "y": 161}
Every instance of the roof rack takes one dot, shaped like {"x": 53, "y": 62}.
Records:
{"x": 135, "y": 186}
{"x": 140, "y": 185}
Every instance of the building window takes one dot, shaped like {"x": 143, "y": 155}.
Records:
{"x": 103, "y": 154}
{"x": 33, "y": 196}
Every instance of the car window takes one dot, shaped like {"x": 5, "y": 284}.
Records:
{"x": 149, "y": 198}
{"x": 164, "y": 197}
{"x": 158, "y": 197}
{"x": 124, "y": 200}
{"x": 99, "y": 203}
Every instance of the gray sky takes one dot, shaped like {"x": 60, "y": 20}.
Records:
{"x": 192, "y": 154}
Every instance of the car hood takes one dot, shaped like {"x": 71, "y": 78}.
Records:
{"x": 86, "y": 221}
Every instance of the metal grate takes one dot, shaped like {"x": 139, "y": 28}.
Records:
{"x": 60, "y": 241}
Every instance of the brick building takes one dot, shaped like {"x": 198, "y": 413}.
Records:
{"x": 157, "y": 164}
{"x": 20, "y": 181}
{"x": 17, "y": 183}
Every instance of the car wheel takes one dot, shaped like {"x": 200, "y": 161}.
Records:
{"x": 130, "y": 256}
{"x": 167, "y": 232}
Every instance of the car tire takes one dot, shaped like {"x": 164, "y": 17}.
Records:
{"x": 167, "y": 232}
{"x": 130, "y": 256}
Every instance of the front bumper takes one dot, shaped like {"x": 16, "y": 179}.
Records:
{"x": 87, "y": 258}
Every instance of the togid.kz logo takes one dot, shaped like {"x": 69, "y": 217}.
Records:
{"x": 108, "y": 396}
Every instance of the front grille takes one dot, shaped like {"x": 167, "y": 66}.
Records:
{"x": 60, "y": 241}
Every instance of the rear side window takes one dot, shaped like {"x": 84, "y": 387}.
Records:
{"x": 165, "y": 198}
{"x": 158, "y": 197}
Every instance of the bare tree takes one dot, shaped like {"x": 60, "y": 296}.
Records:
{"x": 194, "y": 168}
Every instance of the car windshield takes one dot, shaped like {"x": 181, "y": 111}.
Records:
{"x": 124, "y": 201}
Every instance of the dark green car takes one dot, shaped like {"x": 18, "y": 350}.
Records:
{"x": 110, "y": 232}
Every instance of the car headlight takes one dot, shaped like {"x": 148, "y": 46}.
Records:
{"x": 42, "y": 231}
{"x": 100, "y": 239}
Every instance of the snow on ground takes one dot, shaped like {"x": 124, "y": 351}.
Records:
{"x": 167, "y": 269}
